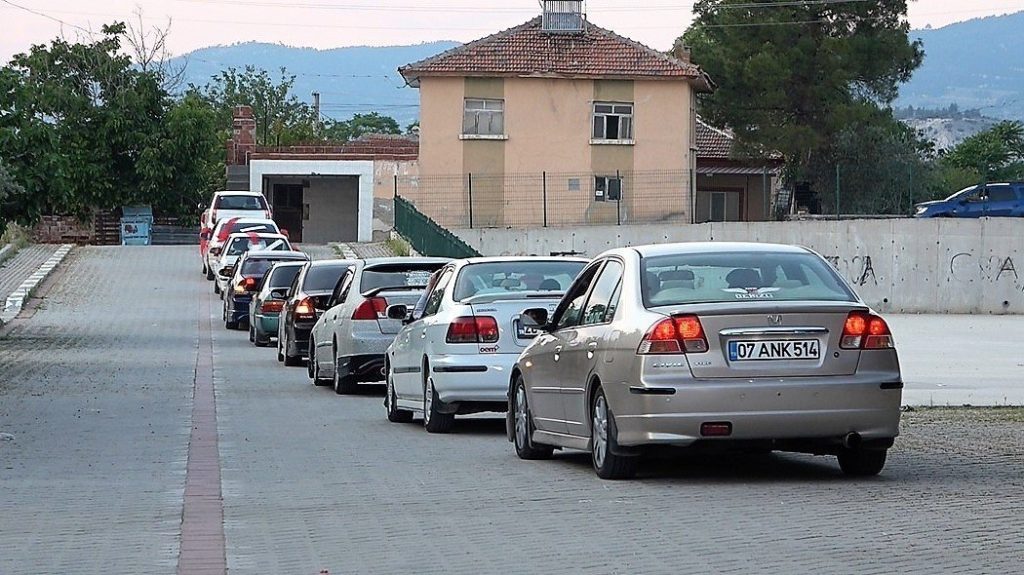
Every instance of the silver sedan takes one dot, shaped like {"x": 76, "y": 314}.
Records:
{"x": 707, "y": 345}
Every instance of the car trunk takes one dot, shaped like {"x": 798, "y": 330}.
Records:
{"x": 513, "y": 337}
{"x": 774, "y": 340}
{"x": 404, "y": 297}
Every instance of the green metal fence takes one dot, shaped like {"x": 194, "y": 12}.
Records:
{"x": 425, "y": 236}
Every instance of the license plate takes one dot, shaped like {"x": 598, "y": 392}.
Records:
{"x": 525, "y": 331}
{"x": 774, "y": 350}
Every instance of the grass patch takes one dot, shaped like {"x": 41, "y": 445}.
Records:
{"x": 399, "y": 247}
{"x": 997, "y": 414}
{"x": 16, "y": 235}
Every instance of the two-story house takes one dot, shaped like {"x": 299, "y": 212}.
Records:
{"x": 555, "y": 122}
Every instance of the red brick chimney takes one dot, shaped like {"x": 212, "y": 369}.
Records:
{"x": 243, "y": 136}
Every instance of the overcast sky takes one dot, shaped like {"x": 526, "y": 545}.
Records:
{"x": 335, "y": 23}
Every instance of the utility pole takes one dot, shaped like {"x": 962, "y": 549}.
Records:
{"x": 316, "y": 110}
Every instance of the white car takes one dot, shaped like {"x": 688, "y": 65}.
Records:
{"x": 234, "y": 205}
{"x": 238, "y": 244}
{"x": 211, "y": 251}
{"x": 457, "y": 349}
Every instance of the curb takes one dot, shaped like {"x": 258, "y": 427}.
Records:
{"x": 346, "y": 251}
{"x": 16, "y": 300}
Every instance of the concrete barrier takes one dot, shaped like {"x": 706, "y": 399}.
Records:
{"x": 897, "y": 265}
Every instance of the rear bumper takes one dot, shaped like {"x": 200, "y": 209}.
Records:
{"x": 757, "y": 410}
{"x": 472, "y": 378}
{"x": 362, "y": 367}
{"x": 266, "y": 324}
{"x": 239, "y": 308}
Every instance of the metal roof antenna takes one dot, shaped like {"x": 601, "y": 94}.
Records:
{"x": 564, "y": 16}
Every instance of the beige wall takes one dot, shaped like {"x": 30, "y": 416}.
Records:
{"x": 384, "y": 172}
{"x": 548, "y": 124}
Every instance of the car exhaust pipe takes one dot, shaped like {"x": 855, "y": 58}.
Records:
{"x": 851, "y": 440}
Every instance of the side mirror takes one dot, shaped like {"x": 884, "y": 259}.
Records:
{"x": 279, "y": 293}
{"x": 205, "y": 234}
{"x": 284, "y": 233}
{"x": 227, "y": 272}
{"x": 535, "y": 318}
{"x": 399, "y": 312}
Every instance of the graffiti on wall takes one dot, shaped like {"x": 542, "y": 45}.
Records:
{"x": 858, "y": 269}
{"x": 965, "y": 266}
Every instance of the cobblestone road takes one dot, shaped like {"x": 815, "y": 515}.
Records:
{"x": 96, "y": 389}
{"x": 20, "y": 266}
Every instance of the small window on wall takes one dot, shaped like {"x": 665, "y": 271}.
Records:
{"x": 613, "y": 121}
{"x": 607, "y": 189}
{"x": 483, "y": 117}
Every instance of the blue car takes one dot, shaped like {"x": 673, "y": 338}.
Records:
{"x": 981, "y": 201}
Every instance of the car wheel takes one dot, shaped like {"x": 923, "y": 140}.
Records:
{"x": 343, "y": 384}
{"x": 280, "y": 349}
{"x": 205, "y": 272}
{"x": 310, "y": 370}
{"x": 523, "y": 419}
{"x": 229, "y": 323}
{"x": 862, "y": 462}
{"x": 289, "y": 359}
{"x": 395, "y": 415}
{"x": 216, "y": 287}
{"x": 259, "y": 339}
{"x": 252, "y": 333}
{"x": 434, "y": 421}
{"x": 209, "y": 273}
{"x": 607, "y": 463}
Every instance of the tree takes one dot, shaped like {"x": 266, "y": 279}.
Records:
{"x": 81, "y": 128}
{"x": 793, "y": 76}
{"x": 996, "y": 153}
{"x": 281, "y": 118}
{"x": 10, "y": 190}
{"x": 360, "y": 125}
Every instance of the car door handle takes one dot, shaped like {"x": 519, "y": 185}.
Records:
{"x": 423, "y": 334}
{"x": 591, "y": 347}
{"x": 558, "y": 351}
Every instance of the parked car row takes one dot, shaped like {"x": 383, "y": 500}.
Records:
{"x": 702, "y": 346}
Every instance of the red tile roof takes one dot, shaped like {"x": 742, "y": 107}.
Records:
{"x": 367, "y": 147}
{"x": 527, "y": 50}
{"x": 713, "y": 143}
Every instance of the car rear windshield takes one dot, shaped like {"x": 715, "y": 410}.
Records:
{"x": 397, "y": 275}
{"x": 512, "y": 277}
{"x": 241, "y": 245}
{"x": 241, "y": 203}
{"x": 739, "y": 276}
{"x": 283, "y": 276}
{"x": 323, "y": 278}
{"x": 240, "y": 227}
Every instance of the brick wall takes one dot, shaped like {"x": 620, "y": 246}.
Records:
{"x": 63, "y": 229}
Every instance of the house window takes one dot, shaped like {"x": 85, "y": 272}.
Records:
{"x": 483, "y": 117}
{"x": 607, "y": 189}
{"x": 613, "y": 121}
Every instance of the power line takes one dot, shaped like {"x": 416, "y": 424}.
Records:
{"x": 47, "y": 16}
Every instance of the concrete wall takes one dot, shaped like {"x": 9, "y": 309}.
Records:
{"x": 899, "y": 265}
{"x": 363, "y": 170}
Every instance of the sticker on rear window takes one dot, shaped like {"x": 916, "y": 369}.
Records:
{"x": 753, "y": 293}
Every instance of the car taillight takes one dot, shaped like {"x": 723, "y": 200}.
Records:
{"x": 249, "y": 284}
{"x": 473, "y": 329}
{"x": 865, "y": 331}
{"x": 679, "y": 334}
{"x": 304, "y": 309}
{"x": 372, "y": 308}
{"x": 272, "y": 306}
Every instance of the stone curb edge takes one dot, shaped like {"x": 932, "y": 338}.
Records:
{"x": 16, "y": 300}
{"x": 6, "y": 252}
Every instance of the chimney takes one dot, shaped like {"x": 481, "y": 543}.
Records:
{"x": 681, "y": 51}
{"x": 243, "y": 136}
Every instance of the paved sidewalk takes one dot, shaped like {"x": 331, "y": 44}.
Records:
{"x": 96, "y": 390}
{"x": 22, "y": 265}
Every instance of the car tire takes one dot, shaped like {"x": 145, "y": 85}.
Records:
{"x": 603, "y": 433}
{"x": 228, "y": 322}
{"x": 343, "y": 384}
{"x": 862, "y": 462}
{"x": 280, "y": 352}
{"x": 434, "y": 421}
{"x": 252, "y": 334}
{"x": 291, "y": 360}
{"x": 216, "y": 288}
{"x": 209, "y": 274}
{"x": 260, "y": 340}
{"x": 205, "y": 272}
{"x": 313, "y": 368}
{"x": 523, "y": 428}
{"x": 395, "y": 415}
